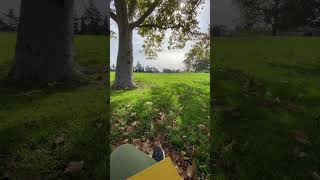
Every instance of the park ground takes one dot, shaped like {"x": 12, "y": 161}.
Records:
{"x": 172, "y": 109}
{"x": 55, "y": 132}
{"x": 266, "y": 113}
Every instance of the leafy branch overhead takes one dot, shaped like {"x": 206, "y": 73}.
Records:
{"x": 152, "y": 18}
{"x": 198, "y": 57}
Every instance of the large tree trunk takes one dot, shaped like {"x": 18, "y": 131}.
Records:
{"x": 274, "y": 31}
{"x": 124, "y": 68}
{"x": 44, "y": 47}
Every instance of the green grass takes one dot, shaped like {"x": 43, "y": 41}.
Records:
{"x": 31, "y": 121}
{"x": 264, "y": 90}
{"x": 182, "y": 97}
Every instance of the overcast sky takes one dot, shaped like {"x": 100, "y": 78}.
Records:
{"x": 172, "y": 59}
{"x": 225, "y": 12}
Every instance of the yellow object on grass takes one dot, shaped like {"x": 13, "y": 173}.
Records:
{"x": 163, "y": 170}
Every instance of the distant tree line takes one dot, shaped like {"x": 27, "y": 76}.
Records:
{"x": 140, "y": 68}
{"x": 198, "y": 57}
{"x": 166, "y": 70}
{"x": 92, "y": 21}
{"x": 148, "y": 69}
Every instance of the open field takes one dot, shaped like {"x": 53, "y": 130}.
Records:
{"x": 170, "y": 108}
{"x": 42, "y": 130}
{"x": 267, "y": 108}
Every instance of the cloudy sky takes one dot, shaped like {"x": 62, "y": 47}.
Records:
{"x": 172, "y": 59}
{"x": 225, "y": 12}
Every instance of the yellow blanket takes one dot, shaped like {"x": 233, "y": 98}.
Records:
{"x": 159, "y": 171}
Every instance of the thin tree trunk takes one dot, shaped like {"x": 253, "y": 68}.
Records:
{"x": 44, "y": 47}
{"x": 124, "y": 68}
{"x": 274, "y": 32}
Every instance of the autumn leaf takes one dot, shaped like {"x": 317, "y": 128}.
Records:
{"x": 302, "y": 137}
{"x": 125, "y": 141}
{"x": 191, "y": 170}
{"x": 59, "y": 141}
{"x": 277, "y": 100}
{"x": 302, "y": 155}
{"x": 130, "y": 129}
{"x": 133, "y": 114}
{"x": 203, "y": 128}
{"x": 161, "y": 118}
{"x": 135, "y": 123}
{"x": 99, "y": 125}
{"x": 74, "y": 167}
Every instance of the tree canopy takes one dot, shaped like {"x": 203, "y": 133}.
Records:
{"x": 198, "y": 57}
{"x": 152, "y": 18}
{"x": 279, "y": 14}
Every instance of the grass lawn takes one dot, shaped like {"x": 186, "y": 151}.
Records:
{"x": 42, "y": 130}
{"x": 266, "y": 121}
{"x": 170, "y": 108}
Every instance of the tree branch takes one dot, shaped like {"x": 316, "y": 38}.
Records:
{"x": 145, "y": 15}
{"x": 132, "y": 7}
{"x": 114, "y": 16}
{"x": 152, "y": 25}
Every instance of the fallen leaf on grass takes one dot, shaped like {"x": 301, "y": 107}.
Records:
{"x": 125, "y": 141}
{"x": 302, "y": 155}
{"x": 60, "y": 140}
{"x": 183, "y": 153}
{"x": 147, "y": 147}
{"x": 294, "y": 108}
{"x": 302, "y": 137}
{"x": 161, "y": 119}
{"x": 74, "y": 167}
{"x": 191, "y": 170}
{"x": 133, "y": 114}
{"x": 277, "y": 100}
{"x": 130, "y": 129}
{"x": 203, "y": 128}
{"x": 135, "y": 123}
{"x": 99, "y": 125}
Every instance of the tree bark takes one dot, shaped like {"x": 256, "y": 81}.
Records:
{"x": 44, "y": 47}
{"x": 124, "y": 67}
{"x": 274, "y": 30}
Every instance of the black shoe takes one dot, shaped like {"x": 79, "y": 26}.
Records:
{"x": 158, "y": 154}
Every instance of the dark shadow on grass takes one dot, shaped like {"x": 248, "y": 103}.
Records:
{"x": 301, "y": 68}
{"x": 88, "y": 143}
{"x": 258, "y": 127}
{"x": 36, "y": 137}
{"x": 11, "y": 96}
